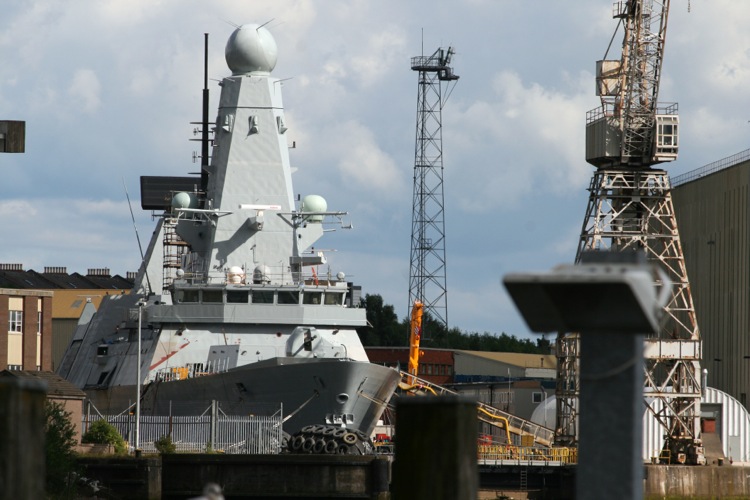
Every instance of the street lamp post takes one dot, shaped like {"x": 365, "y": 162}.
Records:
{"x": 612, "y": 302}
{"x": 138, "y": 385}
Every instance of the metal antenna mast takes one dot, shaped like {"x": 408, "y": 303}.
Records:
{"x": 630, "y": 207}
{"x": 427, "y": 274}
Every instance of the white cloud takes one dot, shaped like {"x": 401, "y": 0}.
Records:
{"x": 383, "y": 52}
{"x": 360, "y": 159}
{"x": 533, "y": 137}
{"x": 19, "y": 210}
{"x": 85, "y": 91}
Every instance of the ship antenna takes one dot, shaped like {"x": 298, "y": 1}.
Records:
{"x": 138, "y": 238}
{"x": 204, "y": 126}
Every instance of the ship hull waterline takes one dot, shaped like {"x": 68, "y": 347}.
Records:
{"x": 349, "y": 393}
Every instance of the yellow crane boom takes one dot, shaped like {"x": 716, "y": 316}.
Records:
{"x": 415, "y": 334}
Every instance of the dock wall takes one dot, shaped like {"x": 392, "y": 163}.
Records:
{"x": 680, "y": 481}
{"x": 320, "y": 476}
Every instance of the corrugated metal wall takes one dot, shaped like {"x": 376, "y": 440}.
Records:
{"x": 734, "y": 427}
{"x": 712, "y": 215}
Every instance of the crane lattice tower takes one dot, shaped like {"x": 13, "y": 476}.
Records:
{"x": 630, "y": 208}
{"x": 427, "y": 273}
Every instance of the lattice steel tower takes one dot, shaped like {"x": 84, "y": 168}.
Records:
{"x": 630, "y": 208}
{"x": 427, "y": 274}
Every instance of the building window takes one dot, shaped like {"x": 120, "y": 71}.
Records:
{"x": 14, "y": 367}
{"x": 15, "y": 321}
{"x": 536, "y": 397}
{"x": 39, "y": 322}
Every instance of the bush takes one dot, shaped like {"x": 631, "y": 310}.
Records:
{"x": 59, "y": 446}
{"x": 165, "y": 446}
{"x": 102, "y": 432}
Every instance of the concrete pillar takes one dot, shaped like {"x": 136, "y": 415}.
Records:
{"x": 610, "y": 419}
{"x": 4, "y": 317}
{"x": 30, "y": 328}
{"x": 22, "y": 461}
{"x": 47, "y": 334}
{"x": 436, "y": 448}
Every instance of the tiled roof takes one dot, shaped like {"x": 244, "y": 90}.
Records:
{"x": 56, "y": 385}
{"x": 31, "y": 279}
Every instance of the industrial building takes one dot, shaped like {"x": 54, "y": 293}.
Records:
{"x": 513, "y": 382}
{"x": 67, "y": 294}
{"x": 712, "y": 208}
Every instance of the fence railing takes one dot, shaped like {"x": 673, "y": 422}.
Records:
{"x": 210, "y": 432}
{"x": 711, "y": 168}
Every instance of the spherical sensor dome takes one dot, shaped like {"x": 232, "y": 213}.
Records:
{"x": 251, "y": 49}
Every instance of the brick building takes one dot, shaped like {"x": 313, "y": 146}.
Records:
{"x": 25, "y": 329}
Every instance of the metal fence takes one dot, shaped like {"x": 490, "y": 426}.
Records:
{"x": 211, "y": 432}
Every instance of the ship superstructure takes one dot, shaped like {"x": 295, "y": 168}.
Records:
{"x": 232, "y": 302}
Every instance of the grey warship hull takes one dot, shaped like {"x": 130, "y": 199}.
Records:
{"x": 336, "y": 392}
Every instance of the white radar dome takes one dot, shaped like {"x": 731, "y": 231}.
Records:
{"x": 235, "y": 275}
{"x": 313, "y": 203}
{"x": 251, "y": 49}
{"x": 184, "y": 200}
{"x": 261, "y": 274}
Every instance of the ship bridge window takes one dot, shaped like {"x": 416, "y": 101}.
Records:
{"x": 237, "y": 297}
{"x": 262, "y": 297}
{"x": 286, "y": 297}
{"x": 334, "y": 299}
{"x": 186, "y": 296}
{"x": 213, "y": 296}
{"x": 312, "y": 298}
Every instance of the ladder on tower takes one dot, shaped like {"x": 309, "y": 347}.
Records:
{"x": 174, "y": 249}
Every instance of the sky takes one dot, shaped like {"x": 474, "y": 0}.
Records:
{"x": 109, "y": 88}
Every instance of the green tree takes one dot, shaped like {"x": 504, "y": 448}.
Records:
{"x": 384, "y": 329}
{"x": 165, "y": 446}
{"x": 102, "y": 432}
{"x": 59, "y": 451}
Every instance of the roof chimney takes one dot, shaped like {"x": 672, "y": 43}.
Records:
{"x": 55, "y": 270}
{"x": 102, "y": 271}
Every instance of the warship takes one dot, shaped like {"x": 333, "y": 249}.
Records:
{"x": 232, "y": 303}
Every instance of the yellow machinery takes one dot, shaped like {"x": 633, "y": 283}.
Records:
{"x": 415, "y": 335}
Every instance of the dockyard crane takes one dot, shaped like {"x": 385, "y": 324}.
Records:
{"x": 630, "y": 207}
